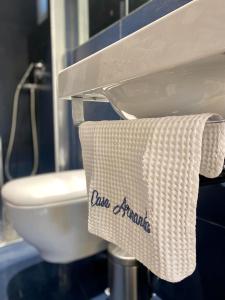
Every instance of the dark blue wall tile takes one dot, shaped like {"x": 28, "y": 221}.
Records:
{"x": 99, "y": 111}
{"x": 98, "y": 42}
{"x": 15, "y": 26}
{"x": 20, "y": 35}
{"x": 207, "y": 282}
{"x": 211, "y": 203}
{"x": 45, "y": 131}
{"x": 148, "y": 13}
{"x": 70, "y": 57}
{"x": 211, "y": 260}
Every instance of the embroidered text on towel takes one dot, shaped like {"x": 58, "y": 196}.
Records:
{"x": 133, "y": 216}
{"x": 122, "y": 208}
{"x": 96, "y": 200}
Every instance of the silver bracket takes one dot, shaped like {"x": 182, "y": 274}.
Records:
{"x": 77, "y": 110}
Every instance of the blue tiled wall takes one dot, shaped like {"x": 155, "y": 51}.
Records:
{"x": 40, "y": 50}
{"x": 17, "y": 22}
{"x": 148, "y": 13}
{"x": 142, "y": 16}
{"x": 101, "y": 40}
{"x": 15, "y": 26}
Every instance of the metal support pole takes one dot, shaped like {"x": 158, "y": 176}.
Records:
{"x": 128, "y": 279}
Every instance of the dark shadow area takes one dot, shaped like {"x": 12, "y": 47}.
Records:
{"x": 102, "y": 14}
{"x": 207, "y": 282}
{"x": 80, "y": 280}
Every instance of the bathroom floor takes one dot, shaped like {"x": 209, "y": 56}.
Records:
{"x": 23, "y": 275}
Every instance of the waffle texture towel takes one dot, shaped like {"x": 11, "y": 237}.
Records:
{"x": 143, "y": 181}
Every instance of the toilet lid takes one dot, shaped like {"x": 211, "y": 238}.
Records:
{"x": 47, "y": 189}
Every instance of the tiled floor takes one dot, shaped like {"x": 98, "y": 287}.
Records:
{"x": 14, "y": 259}
{"x": 23, "y": 275}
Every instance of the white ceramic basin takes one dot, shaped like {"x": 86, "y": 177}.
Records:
{"x": 175, "y": 65}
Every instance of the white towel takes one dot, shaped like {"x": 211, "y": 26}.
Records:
{"x": 143, "y": 181}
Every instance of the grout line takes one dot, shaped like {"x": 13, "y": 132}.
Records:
{"x": 211, "y": 222}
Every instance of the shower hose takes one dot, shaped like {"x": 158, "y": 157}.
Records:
{"x": 14, "y": 121}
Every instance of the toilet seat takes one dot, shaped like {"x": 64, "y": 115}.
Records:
{"x": 46, "y": 190}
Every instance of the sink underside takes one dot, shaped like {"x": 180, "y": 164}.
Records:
{"x": 173, "y": 66}
{"x": 193, "y": 88}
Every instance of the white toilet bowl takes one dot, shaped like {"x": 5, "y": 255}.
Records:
{"x": 51, "y": 212}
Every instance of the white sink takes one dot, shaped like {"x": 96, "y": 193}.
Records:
{"x": 175, "y": 65}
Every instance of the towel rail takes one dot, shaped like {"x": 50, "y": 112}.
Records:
{"x": 215, "y": 121}
{"x": 78, "y": 119}
{"x": 78, "y": 109}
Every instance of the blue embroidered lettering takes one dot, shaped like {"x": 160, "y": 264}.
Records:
{"x": 96, "y": 200}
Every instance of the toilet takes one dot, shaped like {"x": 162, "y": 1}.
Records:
{"x": 50, "y": 212}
